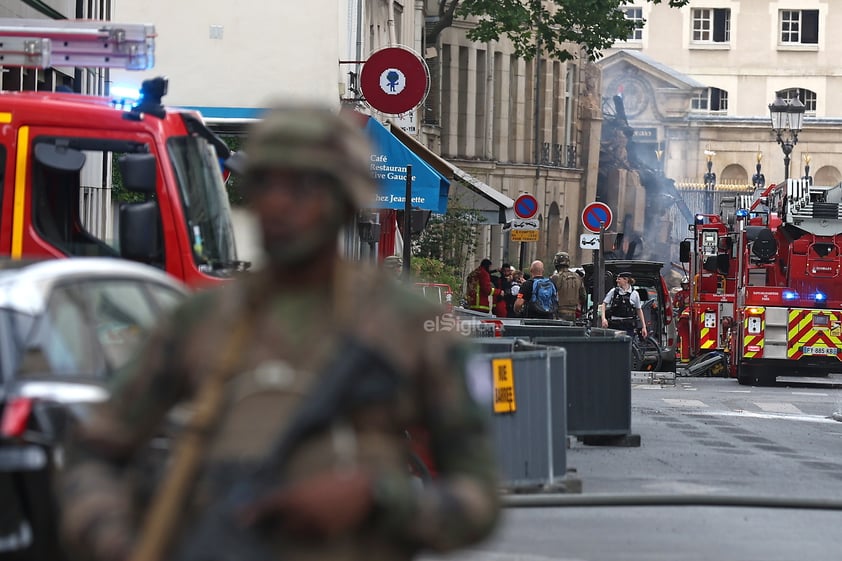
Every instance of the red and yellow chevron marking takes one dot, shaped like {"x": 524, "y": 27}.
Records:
{"x": 707, "y": 338}
{"x": 802, "y": 333}
{"x": 753, "y": 345}
{"x": 754, "y": 342}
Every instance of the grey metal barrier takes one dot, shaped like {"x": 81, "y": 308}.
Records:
{"x": 527, "y": 414}
{"x": 543, "y": 330}
{"x": 493, "y": 344}
{"x": 598, "y": 377}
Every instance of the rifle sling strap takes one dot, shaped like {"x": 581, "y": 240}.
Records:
{"x": 164, "y": 514}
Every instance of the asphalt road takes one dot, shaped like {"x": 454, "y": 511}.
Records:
{"x": 705, "y": 436}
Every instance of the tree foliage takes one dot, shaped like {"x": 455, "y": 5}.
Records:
{"x": 561, "y": 26}
{"x": 232, "y": 186}
{"x": 429, "y": 269}
{"x": 446, "y": 244}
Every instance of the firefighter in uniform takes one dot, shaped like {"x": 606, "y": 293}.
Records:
{"x": 252, "y": 352}
{"x": 480, "y": 292}
{"x": 682, "y": 298}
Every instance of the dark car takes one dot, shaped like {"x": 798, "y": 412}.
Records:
{"x": 65, "y": 326}
{"x": 654, "y": 294}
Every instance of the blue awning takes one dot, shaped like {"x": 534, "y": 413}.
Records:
{"x": 389, "y": 159}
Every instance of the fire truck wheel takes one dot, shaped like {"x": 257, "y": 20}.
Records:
{"x": 752, "y": 376}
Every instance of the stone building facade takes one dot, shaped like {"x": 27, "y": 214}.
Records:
{"x": 700, "y": 79}
{"x": 521, "y": 127}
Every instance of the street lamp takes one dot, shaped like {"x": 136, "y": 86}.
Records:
{"x": 710, "y": 180}
{"x": 787, "y": 118}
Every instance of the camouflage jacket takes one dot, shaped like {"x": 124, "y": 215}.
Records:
{"x": 291, "y": 336}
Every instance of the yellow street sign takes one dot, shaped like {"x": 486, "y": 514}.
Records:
{"x": 524, "y": 235}
{"x": 504, "y": 385}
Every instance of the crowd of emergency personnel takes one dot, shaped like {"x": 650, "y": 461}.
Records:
{"x": 507, "y": 292}
{"x": 561, "y": 295}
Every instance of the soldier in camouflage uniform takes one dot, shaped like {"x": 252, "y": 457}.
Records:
{"x": 346, "y": 493}
{"x": 571, "y": 289}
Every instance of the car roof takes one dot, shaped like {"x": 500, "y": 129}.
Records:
{"x": 633, "y": 264}
{"x": 649, "y": 268}
{"x": 643, "y": 271}
{"x": 25, "y": 285}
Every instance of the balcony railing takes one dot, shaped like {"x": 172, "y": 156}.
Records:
{"x": 558, "y": 155}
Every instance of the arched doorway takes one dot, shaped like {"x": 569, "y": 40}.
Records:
{"x": 734, "y": 174}
{"x": 827, "y": 175}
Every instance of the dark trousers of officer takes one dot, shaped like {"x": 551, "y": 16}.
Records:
{"x": 623, "y": 324}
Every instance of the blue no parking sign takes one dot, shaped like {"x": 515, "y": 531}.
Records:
{"x": 593, "y": 214}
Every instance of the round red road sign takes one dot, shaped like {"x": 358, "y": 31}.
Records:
{"x": 594, "y": 214}
{"x": 526, "y": 206}
{"x": 394, "y": 80}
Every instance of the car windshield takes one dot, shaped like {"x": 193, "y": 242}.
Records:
{"x": 206, "y": 207}
{"x": 89, "y": 328}
{"x": 16, "y": 328}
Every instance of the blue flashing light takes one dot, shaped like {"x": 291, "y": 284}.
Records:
{"x": 125, "y": 93}
{"x": 700, "y": 219}
{"x": 790, "y": 295}
{"x": 820, "y": 297}
{"x": 742, "y": 213}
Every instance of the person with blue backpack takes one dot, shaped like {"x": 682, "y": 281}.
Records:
{"x": 538, "y": 297}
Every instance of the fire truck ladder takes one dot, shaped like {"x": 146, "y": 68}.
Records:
{"x": 814, "y": 208}
{"x": 39, "y": 43}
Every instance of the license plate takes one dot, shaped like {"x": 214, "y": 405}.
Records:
{"x": 819, "y": 350}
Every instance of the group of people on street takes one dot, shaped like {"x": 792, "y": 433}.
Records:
{"x": 509, "y": 293}
{"x": 493, "y": 291}
{"x": 562, "y": 295}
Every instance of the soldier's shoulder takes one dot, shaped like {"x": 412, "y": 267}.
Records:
{"x": 403, "y": 297}
{"x": 207, "y": 302}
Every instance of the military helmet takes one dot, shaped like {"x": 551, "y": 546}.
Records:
{"x": 393, "y": 262}
{"x": 561, "y": 259}
{"x": 310, "y": 137}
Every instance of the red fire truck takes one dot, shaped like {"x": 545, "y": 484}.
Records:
{"x": 703, "y": 324}
{"x": 774, "y": 268}
{"x": 64, "y": 155}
